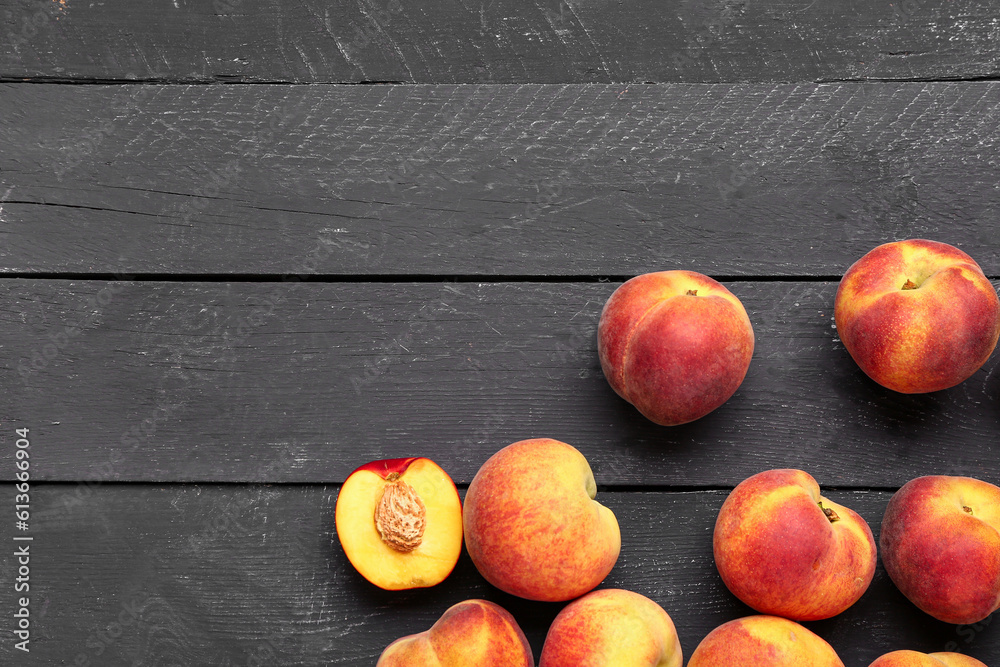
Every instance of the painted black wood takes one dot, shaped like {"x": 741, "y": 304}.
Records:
{"x": 747, "y": 180}
{"x": 550, "y": 193}
{"x": 217, "y": 575}
{"x": 502, "y": 41}
{"x": 303, "y": 382}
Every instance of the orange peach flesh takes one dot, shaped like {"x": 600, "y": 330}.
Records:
{"x": 917, "y": 316}
{"x": 473, "y": 632}
{"x": 763, "y": 641}
{"x": 396, "y": 566}
{"x": 916, "y": 659}
{"x": 784, "y": 549}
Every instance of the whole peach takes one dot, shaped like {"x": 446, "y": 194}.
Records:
{"x": 532, "y": 526}
{"x": 473, "y": 632}
{"x": 675, "y": 344}
{"x": 763, "y": 641}
{"x": 917, "y": 316}
{"x": 612, "y": 627}
{"x": 940, "y": 544}
{"x": 785, "y": 550}
{"x": 915, "y": 659}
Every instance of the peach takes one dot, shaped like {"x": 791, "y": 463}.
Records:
{"x": 940, "y": 543}
{"x": 675, "y": 344}
{"x": 785, "y": 550}
{"x": 915, "y": 659}
{"x": 473, "y": 632}
{"x": 399, "y": 522}
{"x": 532, "y": 526}
{"x": 917, "y": 316}
{"x": 612, "y": 627}
{"x": 763, "y": 641}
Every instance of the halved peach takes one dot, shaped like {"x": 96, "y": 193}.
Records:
{"x": 400, "y": 523}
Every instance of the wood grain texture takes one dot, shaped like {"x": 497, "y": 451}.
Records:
{"x": 303, "y": 382}
{"x": 216, "y": 575}
{"x": 492, "y": 180}
{"x": 501, "y": 41}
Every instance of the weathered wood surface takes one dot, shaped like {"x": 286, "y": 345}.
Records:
{"x": 216, "y": 575}
{"x": 593, "y": 180}
{"x": 220, "y": 299}
{"x": 303, "y": 382}
{"x": 502, "y": 41}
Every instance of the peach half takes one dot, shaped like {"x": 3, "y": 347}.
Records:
{"x": 473, "y": 632}
{"x": 400, "y": 523}
{"x": 915, "y": 659}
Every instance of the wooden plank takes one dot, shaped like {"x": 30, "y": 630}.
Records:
{"x": 740, "y": 180}
{"x": 303, "y": 382}
{"x": 503, "y": 41}
{"x": 216, "y": 575}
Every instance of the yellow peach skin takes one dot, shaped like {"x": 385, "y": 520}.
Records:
{"x": 473, "y": 632}
{"x": 763, "y": 641}
{"x": 917, "y": 315}
{"x": 675, "y": 344}
{"x": 940, "y": 543}
{"x": 612, "y": 627}
{"x": 784, "y": 549}
{"x": 532, "y": 526}
{"x": 916, "y": 659}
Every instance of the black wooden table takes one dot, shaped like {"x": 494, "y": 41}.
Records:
{"x": 232, "y": 274}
